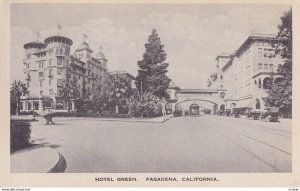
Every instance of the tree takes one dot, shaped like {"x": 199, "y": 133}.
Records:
{"x": 144, "y": 105}
{"x": 120, "y": 89}
{"x": 99, "y": 95}
{"x": 17, "y": 89}
{"x": 280, "y": 94}
{"x": 69, "y": 90}
{"x": 153, "y": 68}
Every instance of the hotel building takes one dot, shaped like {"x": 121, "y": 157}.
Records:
{"x": 245, "y": 74}
{"x": 49, "y": 63}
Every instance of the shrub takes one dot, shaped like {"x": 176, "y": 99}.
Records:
{"x": 19, "y": 134}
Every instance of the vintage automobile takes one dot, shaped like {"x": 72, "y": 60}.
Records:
{"x": 254, "y": 115}
{"x": 177, "y": 113}
{"x": 194, "y": 110}
{"x": 271, "y": 115}
{"x": 227, "y": 112}
{"x": 235, "y": 113}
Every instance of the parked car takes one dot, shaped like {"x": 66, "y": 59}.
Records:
{"x": 254, "y": 115}
{"x": 271, "y": 115}
{"x": 177, "y": 113}
{"x": 235, "y": 113}
{"x": 227, "y": 112}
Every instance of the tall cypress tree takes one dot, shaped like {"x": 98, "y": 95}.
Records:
{"x": 153, "y": 68}
{"x": 280, "y": 94}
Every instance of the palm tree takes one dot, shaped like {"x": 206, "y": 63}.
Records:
{"x": 17, "y": 89}
{"x": 69, "y": 91}
{"x": 120, "y": 89}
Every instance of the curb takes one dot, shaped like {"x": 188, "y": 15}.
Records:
{"x": 60, "y": 166}
{"x": 120, "y": 119}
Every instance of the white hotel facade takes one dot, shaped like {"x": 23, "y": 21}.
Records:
{"x": 245, "y": 73}
{"x": 48, "y": 63}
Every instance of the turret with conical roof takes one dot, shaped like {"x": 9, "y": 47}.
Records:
{"x": 101, "y": 57}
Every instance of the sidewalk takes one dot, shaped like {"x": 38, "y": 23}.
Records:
{"x": 36, "y": 159}
{"x": 147, "y": 120}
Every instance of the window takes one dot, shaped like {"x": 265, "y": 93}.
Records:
{"x": 50, "y": 82}
{"x": 59, "y": 82}
{"x": 41, "y": 64}
{"x": 50, "y": 62}
{"x": 259, "y": 51}
{"x": 59, "y": 61}
{"x": 271, "y": 67}
{"x": 61, "y": 51}
{"x": 266, "y": 66}
{"x": 41, "y": 83}
{"x": 57, "y": 50}
{"x": 259, "y": 83}
{"x": 50, "y": 73}
{"x": 41, "y": 74}
{"x": 28, "y": 106}
{"x": 260, "y": 66}
{"x": 41, "y": 92}
{"x": 58, "y": 71}
{"x": 50, "y": 91}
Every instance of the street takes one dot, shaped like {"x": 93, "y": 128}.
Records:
{"x": 204, "y": 144}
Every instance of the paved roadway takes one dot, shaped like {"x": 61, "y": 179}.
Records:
{"x": 185, "y": 144}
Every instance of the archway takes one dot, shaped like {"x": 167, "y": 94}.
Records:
{"x": 208, "y": 107}
{"x": 267, "y": 83}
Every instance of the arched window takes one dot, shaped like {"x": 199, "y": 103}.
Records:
{"x": 259, "y": 83}
{"x": 222, "y": 94}
{"x": 267, "y": 83}
{"x": 257, "y": 104}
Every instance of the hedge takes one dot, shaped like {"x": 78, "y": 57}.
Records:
{"x": 19, "y": 134}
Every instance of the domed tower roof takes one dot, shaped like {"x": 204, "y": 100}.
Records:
{"x": 58, "y": 39}
{"x": 172, "y": 85}
{"x": 84, "y": 46}
{"x": 100, "y": 56}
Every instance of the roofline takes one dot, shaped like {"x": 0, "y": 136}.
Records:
{"x": 253, "y": 38}
{"x": 35, "y": 42}
{"x": 197, "y": 90}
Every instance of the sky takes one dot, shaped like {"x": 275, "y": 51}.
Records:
{"x": 192, "y": 34}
